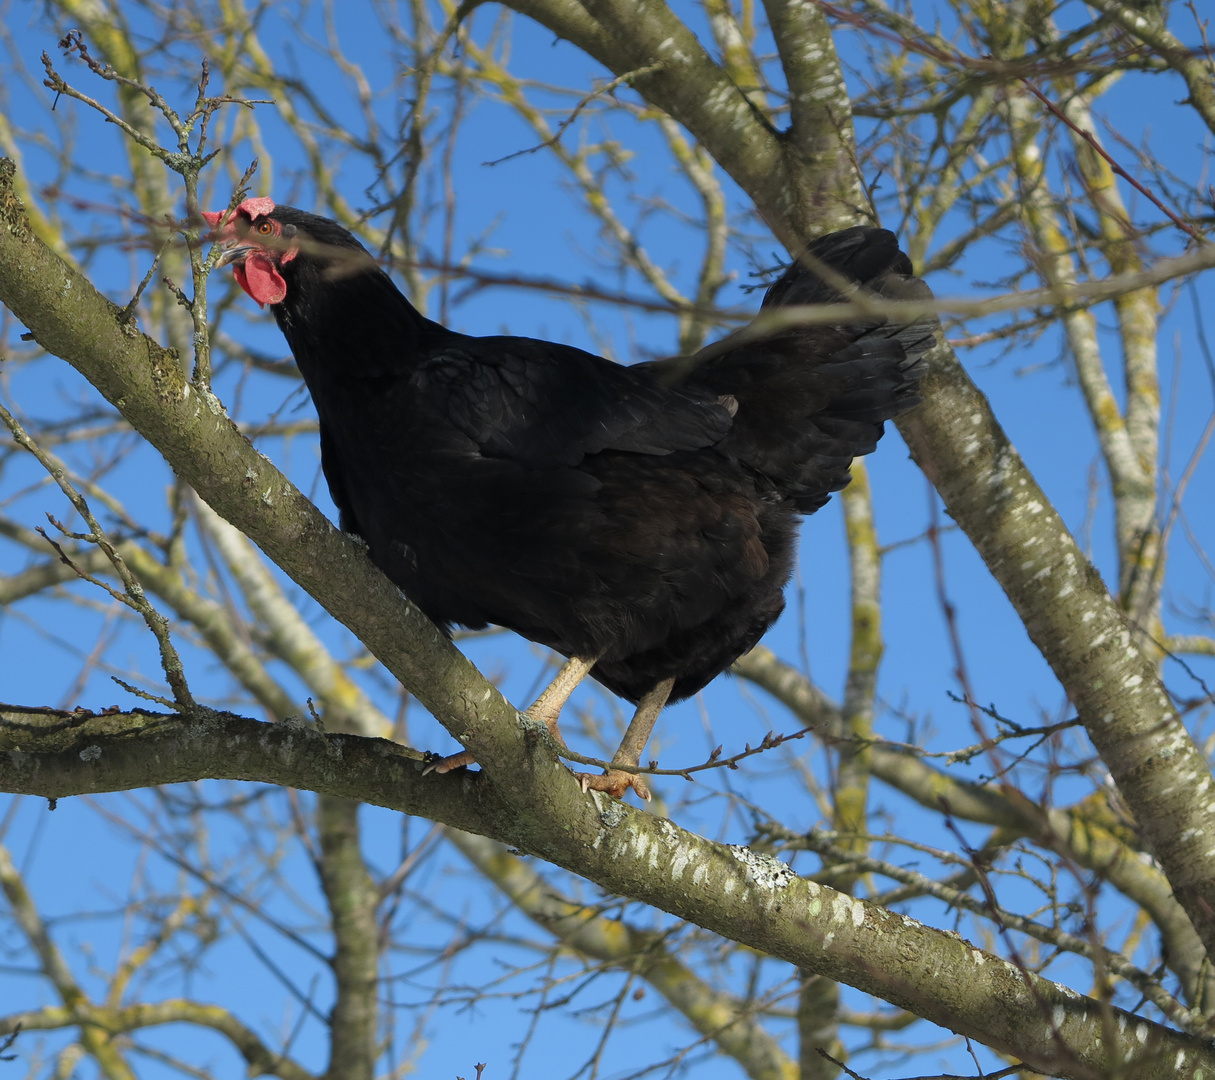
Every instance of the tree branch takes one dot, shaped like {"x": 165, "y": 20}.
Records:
{"x": 1070, "y": 831}
{"x": 715, "y": 1015}
{"x": 70, "y": 319}
{"x": 734, "y": 891}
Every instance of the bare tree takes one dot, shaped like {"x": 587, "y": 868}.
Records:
{"x": 1073, "y": 850}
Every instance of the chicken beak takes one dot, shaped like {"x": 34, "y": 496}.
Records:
{"x": 233, "y": 251}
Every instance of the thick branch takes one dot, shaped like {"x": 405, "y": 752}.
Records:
{"x": 820, "y": 137}
{"x": 70, "y": 319}
{"x": 1146, "y": 22}
{"x": 715, "y": 1015}
{"x": 352, "y": 897}
{"x": 1070, "y": 832}
{"x": 750, "y": 898}
{"x": 1071, "y": 617}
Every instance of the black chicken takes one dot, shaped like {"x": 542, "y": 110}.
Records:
{"x": 639, "y": 523}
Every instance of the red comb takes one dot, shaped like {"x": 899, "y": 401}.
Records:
{"x": 256, "y": 208}
{"x": 251, "y": 208}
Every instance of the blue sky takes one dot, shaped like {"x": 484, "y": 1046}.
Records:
{"x": 532, "y": 223}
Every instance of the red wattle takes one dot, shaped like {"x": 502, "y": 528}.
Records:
{"x": 259, "y": 277}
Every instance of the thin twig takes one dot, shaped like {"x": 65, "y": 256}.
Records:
{"x": 133, "y": 595}
{"x": 599, "y": 91}
{"x": 1091, "y": 139}
{"x": 715, "y": 761}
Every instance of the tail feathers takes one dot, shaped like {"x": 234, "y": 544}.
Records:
{"x": 878, "y": 377}
{"x": 810, "y": 399}
{"x": 864, "y": 256}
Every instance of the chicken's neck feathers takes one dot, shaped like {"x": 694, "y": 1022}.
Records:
{"x": 357, "y": 326}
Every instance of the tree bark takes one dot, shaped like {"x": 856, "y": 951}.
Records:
{"x": 748, "y": 897}
{"x": 954, "y": 436}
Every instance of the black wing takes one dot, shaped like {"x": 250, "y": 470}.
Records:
{"x": 545, "y": 405}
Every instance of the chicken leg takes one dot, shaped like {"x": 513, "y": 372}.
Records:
{"x": 615, "y": 781}
{"x": 546, "y": 707}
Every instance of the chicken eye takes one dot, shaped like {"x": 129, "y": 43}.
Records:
{"x": 265, "y": 228}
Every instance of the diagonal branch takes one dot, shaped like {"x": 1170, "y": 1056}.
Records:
{"x": 70, "y": 319}
{"x": 1070, "y": 831}
{"x": 715, "y": 1015}
{"x": 1146, "y": 22}
{"x": 956, "y": 440}
{"x": 748, "y": 897}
